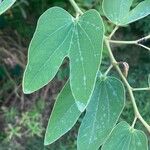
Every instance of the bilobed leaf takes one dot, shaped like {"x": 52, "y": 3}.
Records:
{"x": 120, "y": 13}
{"x": 123, "y": 137}
{"x": 59, "y": 35}
{"x": 64, "y": 115}
{"x": 6, "y": 4}
{"x": 102, "y": 113}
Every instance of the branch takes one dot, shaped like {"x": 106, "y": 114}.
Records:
{"x": 141, "y": 40}
{"x": 141, "y": 89}
{"x": 113, "y": 32}
{"x": 76, "y": 7}
{"x": 108, "y": 70}
{"x": 138, "y": 42}
{"x": 122, "y": 42}
{"x": 144, "y": 46}
{"x": 133, "y": 124}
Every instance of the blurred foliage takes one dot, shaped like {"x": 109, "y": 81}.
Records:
{"x": 23, "y": 128}
{"x": 19, "y": 125}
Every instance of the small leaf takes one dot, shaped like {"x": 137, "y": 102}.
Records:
{"x": 5, "y": 5}
{"x": 102, "y": 113}
{"x": 119, "y": 11}
{"x": 123, "y": 137}
{"x": 64, "y": 115}
{"x": 59, "y": 35}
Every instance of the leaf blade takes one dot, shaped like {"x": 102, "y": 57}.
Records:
{"x": 119, "y": 11}
{"x": 102, "y": 113}
{"x": 5, "y": 5}
{"x": 126, "y": 138}
{"x": 140, "y": 11}
{"x": 64, "y": 115}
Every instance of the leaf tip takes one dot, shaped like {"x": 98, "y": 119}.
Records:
{"x": 80, "y": 106}
{"x": 46, "y": 143}
{"x": 48, "y": 139}
{"x": 26, "y": 90}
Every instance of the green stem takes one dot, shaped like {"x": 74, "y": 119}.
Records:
{"x": 141, "y": 89}
{"x": 113, "y": 32}
{"x": 136, "y": 42}
{"x": 144, "y": 38}
{"x": 127, "y": 42}
{"x": 133, "y": 124}
{"x": 108, "y": 70}
{"x": 144, "y": 47}
{"x": 122, "y": 42}
{"x": 76, "y": 7}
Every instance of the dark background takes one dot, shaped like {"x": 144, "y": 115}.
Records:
{"x": 23, "y": 118}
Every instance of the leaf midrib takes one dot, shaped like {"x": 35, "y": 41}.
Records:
{"x": 96, "y": 111}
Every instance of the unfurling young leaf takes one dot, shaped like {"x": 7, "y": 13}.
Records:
{"x": 64, "y": 115}
{"x": 6, "y": 4}
{"x": 103, "y": 111}
{"x": 124, "y": 137}
{"x": 120, "y": 13}
{"x": 59, "y": 35}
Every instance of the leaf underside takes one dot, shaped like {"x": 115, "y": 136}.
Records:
{"x": 59, "y": 35}
{"x": 123, "y": 137}
{"x": 102, "y": 113}
{"x": 6, "y": 4}
{"x": 64, "y": 115}
{"x": 120, "y": 13}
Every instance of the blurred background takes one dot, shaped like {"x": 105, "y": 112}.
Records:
{"x": 23, "y": 118}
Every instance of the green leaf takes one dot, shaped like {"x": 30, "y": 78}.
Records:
{"x": 119, "y": 11}
{"x": 103, "y": 111}
{"x": 6, "y": 4}
{"x": 64, "y": 115}
{"x": 124, "y": 137}
{"x": 59, "y": 35}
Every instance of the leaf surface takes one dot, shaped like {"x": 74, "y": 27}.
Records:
{"x": 120, "y": 13}
{"x": 64, "y": 115}
{"x": 123, "y": 137}
{"x": 102, "y": 113}
{"x": 59, "y": 35}
{"x": 6, "y": 4}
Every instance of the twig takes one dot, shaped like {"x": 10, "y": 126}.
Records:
{"x": 122, "y": 42}
{"x": 113, "y": 32}
{"x": 141, "y": 89}
{"x": 133, "y": 124}
{"x": 135, "y": 42}
{"x": 76, "y": 7}
{"x": 143, "y": 39}
{"x": 108, "y": 70}
{"x": 148, "y": 48}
